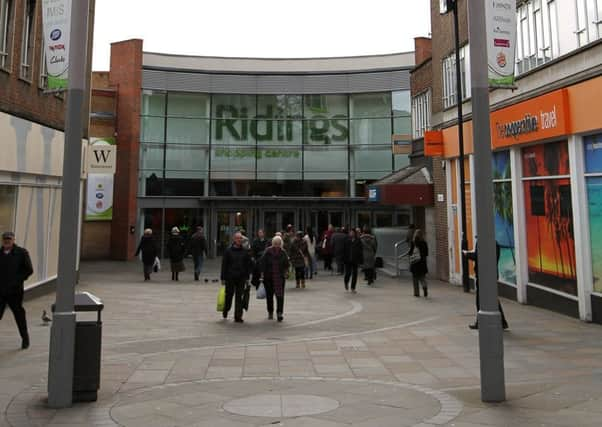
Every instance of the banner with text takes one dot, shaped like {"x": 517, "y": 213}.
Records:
{"x": 501, "y": 42}
{"x": 56, "y": 19}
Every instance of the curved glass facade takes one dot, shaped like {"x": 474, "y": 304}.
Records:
{"x": 196, "y": 144}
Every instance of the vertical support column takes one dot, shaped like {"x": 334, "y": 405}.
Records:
{"x": 583, "y": 249}
{"x": 520, "y": 228}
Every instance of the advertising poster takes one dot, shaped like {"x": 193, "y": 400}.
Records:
{"x": 593, "y": 164}
{"x": 99, "y": 203}
{"x": 549, "y": 217}
{"x": 503, "y": 215}
{"x": 501, "y": 42}
{"x": 56, "y": 20}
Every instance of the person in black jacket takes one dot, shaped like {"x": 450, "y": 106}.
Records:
{"x": 338, "y": 248}
{"x": 418, "y": 268}
{"x": 176, "y": 249}
{"x": 198, "y": 248}
{"x": 474, "y": 256}
{"x": 149, "y": 252}
{"x": 258, "y": 248}
{"x": 15, "y": 269}
{"x": 274, "y": 266}
{"x": 236, "y": 268}
{"x": 353, "y": 257}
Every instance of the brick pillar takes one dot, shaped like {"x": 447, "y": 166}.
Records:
{"x": 126, "y": 77}
{"x": 423, "y": 48}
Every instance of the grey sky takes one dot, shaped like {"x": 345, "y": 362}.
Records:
{"x": 261, "y": 28}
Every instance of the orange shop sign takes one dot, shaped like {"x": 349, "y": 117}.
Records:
{"x": 544, "y": 117}
{"x": 433, "y": 143}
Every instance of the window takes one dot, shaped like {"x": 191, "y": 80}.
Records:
{"x": 27, "y": 43}
{"x": 504, "y": 215}
{"x": 421, "y": 114}
{"x": 537, "y": 34}
{"x": 598, "y": 17}
{"x": 43, "y": 83}
{"x": 449, "y": 77}
{"x": 582, "y": 22}
{"x": 5, "y": 24}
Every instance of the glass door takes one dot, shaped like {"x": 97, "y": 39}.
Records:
{"x": 227, "y": 224}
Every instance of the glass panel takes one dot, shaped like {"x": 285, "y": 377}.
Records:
{"x": 325, "y": 187}
{"x": 371, "y": 131}
{"x": 153, "y": 103}
{"x": 279, "y": 106}
{"x": 7, "y": 207}
{"x": 371, "y": 105}
{"x": 236, "y": 106}
{"x": 325, "y": 164}
{"x": 232, "y": 131}
{"x": 546, "y": 160}
{"x": 151, "y": 156}
{"x": 401, "y": 103}
{"x": 594, "y": 194}
{"x": 152, "y": 129}
{"x": 233, "y": 163}
{"x": 401, "y": 161}
{"x": 187, "y": 131}
{"x": 593, "y": 153}
{"x": 278, "y": 132}
{"x": 279, "y": 163}
{"x": 504, "y": 230}
{"x": 187, "y": 104}
{"x": 186, "y": 158}
{"x": 150, "y": 182}
{"x": 324, "y": 131}
{"x": 402, "y": 125}
{"x": 501, "y": 165}
{"x": 286, "y": 185}
{"x": 184, "y": 183}
{"x": 550, "y": 241}
{"x": 325, "y": 106}
{"x": 371, "y": 163}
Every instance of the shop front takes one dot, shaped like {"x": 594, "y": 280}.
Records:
{"x": 547, "y": 187}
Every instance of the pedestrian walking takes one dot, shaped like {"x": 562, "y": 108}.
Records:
{"x": 198, "y": 249}
{"x": 236, "y": 269}
{"x": 338, "y": 248}
{"x": 312, "y": 265}
{"x": 369, "y": 246}
{"x": 326, "y": 247}
{"x": 353, "y": 258}
{"x": 274, "y": 265}
{"x": 148, "y": 248}
{"x": 299, "y": 257}
{"x": 474, "y": 256}
{"x": 176, "y": 249}
{"x": 15, "y": 269}
{"x": 418, "y": 253}
{"x": 258, "y": 248}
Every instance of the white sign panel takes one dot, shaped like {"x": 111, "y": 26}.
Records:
{"x": 102, "y": 154}
{"x": 501, "y": 41}
{"x": 56, "y": 20}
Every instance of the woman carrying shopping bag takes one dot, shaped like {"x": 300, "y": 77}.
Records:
{"x": 149, "y": 253}
{"x": 274, "y": 266}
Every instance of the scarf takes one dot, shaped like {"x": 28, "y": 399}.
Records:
{"x": 275, "y": 254}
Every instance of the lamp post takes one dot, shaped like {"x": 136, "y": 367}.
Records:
{"x": 453, "y": 6}
{"x": 62, "y": 334}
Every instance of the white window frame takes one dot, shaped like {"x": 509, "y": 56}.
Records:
{"x": 449, "y": 77}
{"x": 27, "y": 41}
{"x": 421, "y": 114}
{"x": 43, "y": 82}
{"x": 536, "y": 34}
{"x": 5, "y": 39}
{"x": 581, "y": 22}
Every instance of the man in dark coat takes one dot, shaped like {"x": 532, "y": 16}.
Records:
{"x": 15, "y": 269}
{"x": 474, "y": 256}
{"x": 198, "y": 248}
{"x": 338, "y": 248}
{"x": 353, "y": 257}
{"x": 149, "y": 252}
{"x": 258, "y": 248}
{"x": 236, "y": 268}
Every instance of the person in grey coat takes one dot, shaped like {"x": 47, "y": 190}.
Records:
{"x": 369, "y": 246}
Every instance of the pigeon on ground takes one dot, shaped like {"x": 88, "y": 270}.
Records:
{"x": 45, "y": 317}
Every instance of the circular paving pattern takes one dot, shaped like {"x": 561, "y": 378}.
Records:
{"x": 281, "y": 405}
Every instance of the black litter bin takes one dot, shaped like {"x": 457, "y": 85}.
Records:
{"x": 88, "y": 339}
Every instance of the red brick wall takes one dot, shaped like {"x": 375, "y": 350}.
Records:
{"x": 126, "y": 77}
{"x": 422, "y": 49}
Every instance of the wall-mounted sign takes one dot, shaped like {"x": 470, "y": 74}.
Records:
{"x": 99, "y": 203}
{"x": 402, "y": 144}
{"x": 373, "y": 194}
{"x": 56, "y": 20}
{"x": 102, "y": 154}
{"x": 433, "y": 143}
{"x": 500, "y": 16}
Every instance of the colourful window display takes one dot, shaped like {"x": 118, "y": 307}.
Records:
{"x": 593, "y": 167}
{"x": 504, "y": 220}
{"x": 549, "y": 218}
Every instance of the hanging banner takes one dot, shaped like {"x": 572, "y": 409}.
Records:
{"x": 501, "y": 42}
{"x": 56, "y": 20}
{"x": 99, "y": 204}
{"x": 102, "y": 155}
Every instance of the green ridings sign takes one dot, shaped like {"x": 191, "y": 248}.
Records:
{"x": 235, "y": 123}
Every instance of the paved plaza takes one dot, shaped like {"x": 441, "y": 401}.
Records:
{"x": 378, "y": 358}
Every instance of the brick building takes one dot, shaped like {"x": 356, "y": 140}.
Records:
{"x": 31, "y": 137}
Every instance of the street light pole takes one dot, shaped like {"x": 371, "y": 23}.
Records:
{"x": 453, "y": 5}
{"x": 62, "y": 334}
{"x": 491, "y": 341}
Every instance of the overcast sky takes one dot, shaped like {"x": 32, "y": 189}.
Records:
{"x": 261, "y": 28}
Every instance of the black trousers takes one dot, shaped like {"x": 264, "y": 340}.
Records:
{"x": 340, "y": 264}
{"x": 417, "y": 281}
{"x": 327, "y": 262}
{"x": 269, "y": 297}
{"x": 234, "y": 289}
{"x": 499, "y": 305}
{"x": 15, "y": 303}
{"x": 370, "y": 274}
{"x": 350, "y": 272}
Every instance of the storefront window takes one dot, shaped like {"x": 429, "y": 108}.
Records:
{"x": 187, "y": 131}
{"x": 279, "y": 163}
{"x": 187, "y": 105}
{"x": 279, "y": 106}
{"x": 325, "y": 164}
{"x": 503, "y": 215}
{"x": 151, "y": 156}
{"x": 550, "y": 240}
{"x": 233, "y": 163}
{"x": 152, "y": 129}
{"x": 7, "y": 207}
{"x": 371, "y": 132}
{"x": 326, "y": 120}
{"x": 593, "y": 170}
{"x": 370, "y": 105}
{"x": 373, "y": 163}
{"x": 153, "y": 103}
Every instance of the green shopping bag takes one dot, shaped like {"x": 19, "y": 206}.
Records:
{"x": 221, "y": 299}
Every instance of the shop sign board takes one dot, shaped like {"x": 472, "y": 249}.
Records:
{"x": 56, "y": 22}
{"x": 501, "y": 42}
{"x": 433, "y": 143}
{"x": 402, "y": 144}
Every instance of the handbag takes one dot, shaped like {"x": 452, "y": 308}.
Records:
{"x": 221, "y": 298}
{"x": 261, "y": 294}
{"x": 157, "y": 265}
{"x": 415, "y": 257}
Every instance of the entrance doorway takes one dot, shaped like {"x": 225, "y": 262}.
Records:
{"x": 321, "y": 219}
{"x": 274, "y": 221}
{"x": 227, "y": 224}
